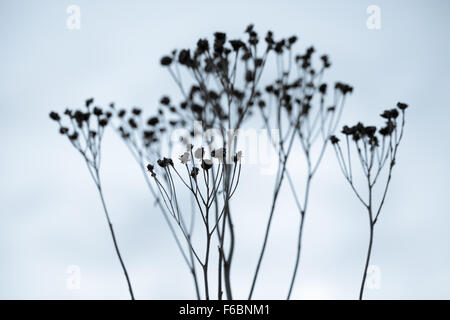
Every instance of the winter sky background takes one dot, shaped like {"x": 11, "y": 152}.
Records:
{"x": 51, "y": 218}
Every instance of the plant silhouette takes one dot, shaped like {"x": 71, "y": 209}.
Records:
{"x": 221, "y": 92}
{"x": 375, "y": 149}
{"x": 85, "y": 135}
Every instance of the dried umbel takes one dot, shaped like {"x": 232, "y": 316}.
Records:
{"x": 218, "y": 80}
{"x": 203, "y": 177}
{"x": 84, "y": 129}
{"x": 222, "y": 79}
{"x": 296, "y": 104}
{"x": 147, "y": 138}
{"x": 222, "y": 91}
{"x": 375, "y": 149}
{"x": 144, "y": 136}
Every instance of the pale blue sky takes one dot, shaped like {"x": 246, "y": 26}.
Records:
{"x": 50, "y": 216}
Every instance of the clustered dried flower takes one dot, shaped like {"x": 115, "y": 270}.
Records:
{"x": 225, "y": 77}
{"x": 220, "y": 85}
{"x": 204, "y": 191}
{"x": 291, "y": 103}
{"x": 374, "y": 148}
{"x": 85, "y": 130}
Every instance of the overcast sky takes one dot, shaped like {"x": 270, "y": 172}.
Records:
{"x": 51, "y": 217}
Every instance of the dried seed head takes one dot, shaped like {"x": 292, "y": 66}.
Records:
{"x": 97, "y": 111}
{"x": 166, "y": 61}
{"x": 334, "y": 139}
{"x": 343, "y": 88}
{"x": 136, "y": 111}
{"x": 153, "y": 121}
{"x": 54, "y": 116}
{"x": 89, "y": 102}
{"x": 150, "y": 169}
{"x": 206, "y": 164}
{"x": 194, "y": 172}
{"x": 122, "y": 113}
{"x": 402, "y": 106}
{"x": 199, "y": 153}
{"x": 184, "y": 158}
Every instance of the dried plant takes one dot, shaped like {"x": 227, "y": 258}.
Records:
{"x": 223, "y": 81}
{"x": 220, "y": 88}
{"x": 375, "y": 149}
{"x": 296, "y": 104}
{"x": 85, "y": 130}
{"x": 205, "y": 187}
{"x": 146, "y": 140}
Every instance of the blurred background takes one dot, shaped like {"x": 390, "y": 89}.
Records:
{"x": 51, "y": 217}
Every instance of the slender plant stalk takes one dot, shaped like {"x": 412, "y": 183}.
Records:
{"x": 300, "y": 236}
{"x": 191, "y": 262}
{"x": 228, "y": 222}
{"x": 88, "y": 127}
{"x": 297, "y": 257}
{"x": 138, "y": 152}
{"x": 206, "y": 263}
{"x": 204, "y": 200}
{"x": 227, "y": 261}
{"x": 279, "y": 180}
{"x": 369, "y": 252}
{"x": 373, "y": 156}
{"x": 269, "y": 224}
{"x": 116, "y": 247}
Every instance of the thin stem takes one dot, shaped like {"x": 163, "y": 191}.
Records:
{"x": 114, "y": 237}
{"x": 206, "y": 264}
{"x": 280, "y": 179}
{"x": 369, "y": 251}
{"x": 219, "y": 277}
{"x": 194, "y": 272}
{"x": 266, "y": 235}
{"x": 297, "y": 258}
{"x": 227, "y": 262}
{"x": 300, "y": 236}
